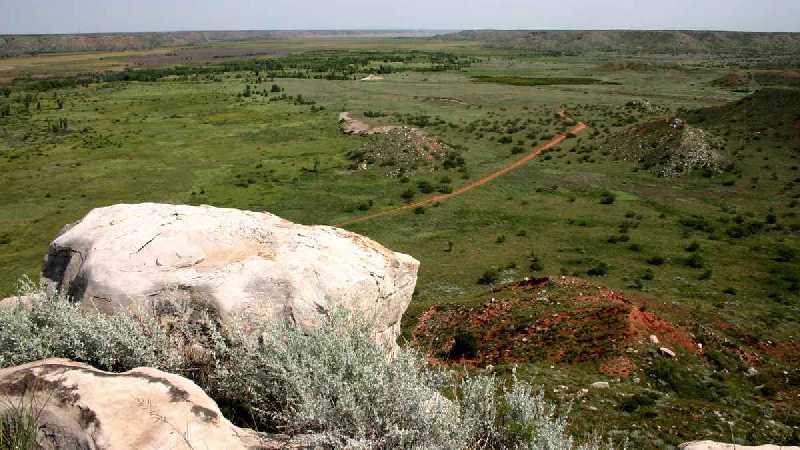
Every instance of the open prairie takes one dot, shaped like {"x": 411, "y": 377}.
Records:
{"x": 673, "y": 212}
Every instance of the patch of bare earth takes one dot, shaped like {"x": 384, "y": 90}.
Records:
{"x": 559, "y": 320}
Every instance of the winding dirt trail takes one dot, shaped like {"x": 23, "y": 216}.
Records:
{"x": 474, "y": 184}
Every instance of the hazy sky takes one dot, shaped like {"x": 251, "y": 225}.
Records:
{"x": 70, "y": 16}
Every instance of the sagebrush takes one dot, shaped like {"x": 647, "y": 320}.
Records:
{"x": 335, "y": 386}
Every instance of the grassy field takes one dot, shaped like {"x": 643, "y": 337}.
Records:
{"x": 705, "y": 250}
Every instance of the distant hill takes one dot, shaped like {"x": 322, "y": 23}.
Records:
{"x": 668, "y": 42}
{"x": 776, "y": 108}
{"x": 676, "y": 146}
{"x": 25, "y": 44}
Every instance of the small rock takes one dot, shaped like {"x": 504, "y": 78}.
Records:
{"x": 654, "y": 339}
{"x": 751, "y": 372}
{"x": 667, "y": 352}
{"x": 601, "y": 385}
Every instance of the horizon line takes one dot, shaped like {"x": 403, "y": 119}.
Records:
{"x": 394, "y": 30}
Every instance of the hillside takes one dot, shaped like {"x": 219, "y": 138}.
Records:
{"x": 680, "y": 42}
{"x": 23, "y": 44}
{"x": 770, "y": 108}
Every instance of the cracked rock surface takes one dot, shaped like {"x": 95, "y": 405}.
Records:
{"x": 79, "y": 406}
{"x": 254, "y": 265}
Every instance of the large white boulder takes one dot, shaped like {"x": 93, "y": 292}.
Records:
{"x": 78, "y": 406}
{"x": 244, "y": 264}
{"x": 711, "y": 445}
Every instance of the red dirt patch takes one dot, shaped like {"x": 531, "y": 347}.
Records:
{"x": 786, "y": 352}
{"x": 565, "y": 320}
{"x": 620, "y": 367}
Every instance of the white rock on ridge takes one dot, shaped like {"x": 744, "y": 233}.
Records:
{"x": 254, "y": 265}
{"x": 667, "y": 352}
{"x": 79, "y": 406}
{"x": 710, "y": 445}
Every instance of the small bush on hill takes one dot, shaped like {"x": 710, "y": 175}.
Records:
{"x": 489, "y": 277}
{"x": 607, "y": 198}
{"x": 695, "y": 261}
{"x": 464, "y": 346}
{"x": 599, "y": 270}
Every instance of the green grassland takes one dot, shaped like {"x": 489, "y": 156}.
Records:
{"x": 224, "y": 138}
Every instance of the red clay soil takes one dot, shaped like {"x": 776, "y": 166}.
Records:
{"x": 786, "y": 352}
{"x": 642, "y": 323}
{"x": 620, "y": 367}
{"x": 564, "y": 320}
{"x": 477, "y": 183}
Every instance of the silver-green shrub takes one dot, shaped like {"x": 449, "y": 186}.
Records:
{"x": 340, "y": 386}
{"x": 336, "y": 386}
{"x": 51, "y": 326}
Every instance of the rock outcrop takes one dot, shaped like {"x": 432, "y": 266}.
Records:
{"x": 710, "y": 445}
{"x": 256, "y": 266}
{"x": 78, "y": 406}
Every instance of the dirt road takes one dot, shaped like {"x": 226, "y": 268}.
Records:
{"x": 474, "y": 184}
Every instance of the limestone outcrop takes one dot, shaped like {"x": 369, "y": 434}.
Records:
{"x": 254, "y": 266}
{"x": 78, "y": 406}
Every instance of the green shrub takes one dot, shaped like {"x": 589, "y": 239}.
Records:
{"x": 636, "y": 401}
{"x": 19, "y": 427}
{"x": 445, "y": 189}
{"x": 697, "y": 223}
{"x": 784, "y": 253}
{"x": 535, "y": 263}
{"x": 334, "y": 385}
{"x": 599, "y": 270}
{"x": 464, "y": 346}
{"x": 54, "y": 327}
{"x": 425, "y": 186}
{"x": 489, "y": 277}
{"x": 695, "y": 261}
{"x": 607, "y": 198}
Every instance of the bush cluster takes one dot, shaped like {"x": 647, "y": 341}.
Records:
{"x": 335, "y": 386}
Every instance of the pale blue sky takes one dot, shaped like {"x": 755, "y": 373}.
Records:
{"x": 70, "y": 16}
